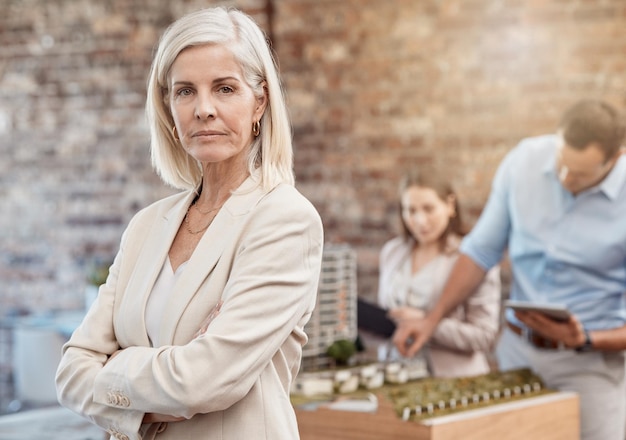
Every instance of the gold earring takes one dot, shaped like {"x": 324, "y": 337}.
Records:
{"x": 256, "y": 128}
{"x": 174, "y": 133}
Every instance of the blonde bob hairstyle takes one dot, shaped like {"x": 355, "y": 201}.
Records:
{"x": 272, "y": 150}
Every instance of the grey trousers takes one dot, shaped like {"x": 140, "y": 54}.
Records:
{"x": 598, "y": 378}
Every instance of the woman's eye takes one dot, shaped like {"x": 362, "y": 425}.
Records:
{"x": 184, "y": 92}
{"x": 226, "y": 89}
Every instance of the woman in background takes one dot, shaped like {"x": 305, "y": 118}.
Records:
{"x": 154, "y": 358}
{"x": 414, "y": 268}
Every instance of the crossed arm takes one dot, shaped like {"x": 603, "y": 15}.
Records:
{"x": 156, "y": 417}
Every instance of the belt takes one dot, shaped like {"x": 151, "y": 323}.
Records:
{"x": 534, "y": 338}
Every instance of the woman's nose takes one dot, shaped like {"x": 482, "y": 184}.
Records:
{"x": 205, "y": 108}
{"x": 418, "y": 218}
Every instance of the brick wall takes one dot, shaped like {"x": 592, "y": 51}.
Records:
{"x": 374, "y": 87}
{"x": 73, "y": 140}
{"x": 377, "y": 87}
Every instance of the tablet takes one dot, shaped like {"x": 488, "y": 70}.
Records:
{"x": 557, "y": 312}
{"x": 374, "y": 319}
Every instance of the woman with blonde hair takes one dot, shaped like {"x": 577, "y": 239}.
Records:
{"x": 198, "y": 331}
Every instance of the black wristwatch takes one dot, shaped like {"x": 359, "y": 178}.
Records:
{"x": 587, "y": 345}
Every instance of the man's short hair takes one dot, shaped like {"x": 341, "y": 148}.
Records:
{"x": 593, "y": 121}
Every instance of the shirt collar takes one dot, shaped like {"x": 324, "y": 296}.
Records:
{"x": 616, "y": 179}
{"x": 549, "y": 166}
{"x": 611, "y": 185}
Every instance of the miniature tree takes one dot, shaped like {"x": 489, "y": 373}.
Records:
{"x": 341, "y": 351}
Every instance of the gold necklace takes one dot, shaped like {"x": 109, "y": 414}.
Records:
{"x": 188, "y": 227}
{"x": 195, "y": 205}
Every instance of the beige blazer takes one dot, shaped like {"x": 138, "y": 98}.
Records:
{"x": 461, "y": 341}
{"x": 262, "y": 256}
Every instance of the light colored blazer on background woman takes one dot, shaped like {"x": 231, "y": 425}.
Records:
{"x": 261, "y": 256}
{"x": 462, "y": 339}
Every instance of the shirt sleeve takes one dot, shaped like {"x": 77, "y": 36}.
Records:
{"x": 486, "y": 243}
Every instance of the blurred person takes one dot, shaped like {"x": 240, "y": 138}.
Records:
{"x": 558, "y": 204}
{"x": 415, "y": 266}
{"x": 198, "y": 331}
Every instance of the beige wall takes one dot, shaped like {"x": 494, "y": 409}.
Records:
{"x": 374, "y": 87}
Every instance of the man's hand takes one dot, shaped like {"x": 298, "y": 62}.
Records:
{"x": 570, "y": 332}
{"x": 411, "y": 333}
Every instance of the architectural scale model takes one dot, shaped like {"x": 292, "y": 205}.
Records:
{"x": 395, "y": 398}
{"x": 335, "y": 314}
{"x": 421, "y": 398}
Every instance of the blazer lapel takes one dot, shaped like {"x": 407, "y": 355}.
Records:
{"x": 150, "y": 261}
{"x": 207, "y": 253}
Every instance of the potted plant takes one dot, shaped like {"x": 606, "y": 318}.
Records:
{"x": 96, "y": 276}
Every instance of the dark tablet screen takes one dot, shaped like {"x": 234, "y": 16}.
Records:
{"x": 373, "y": 318}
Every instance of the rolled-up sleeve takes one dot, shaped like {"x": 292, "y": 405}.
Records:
{"x": 486, "y": 243}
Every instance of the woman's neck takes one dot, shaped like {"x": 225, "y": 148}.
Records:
{"x": 218, "y": 183}
{"x": 422, "y": 254}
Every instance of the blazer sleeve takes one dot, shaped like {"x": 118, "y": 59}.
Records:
{"x": 86, "y": 353}
{"x": 474, "y": 325}
{"x": 268, "y": 298}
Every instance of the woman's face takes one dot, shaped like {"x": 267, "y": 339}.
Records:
{"x": 425, "y": 214}
{"x": 212, "y": 105}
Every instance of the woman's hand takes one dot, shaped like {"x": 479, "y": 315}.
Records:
{"x": 115, "y": 353}
{"x": 406, "y": 314}
{"x": 160, "y": 418}
{"x": 208, "y": 320}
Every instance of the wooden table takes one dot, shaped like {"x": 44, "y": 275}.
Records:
{"x": 553, "y": 416}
